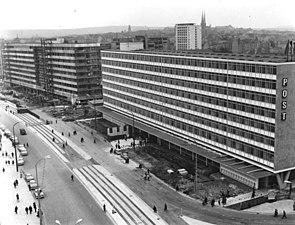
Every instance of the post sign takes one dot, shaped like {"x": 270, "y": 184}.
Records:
{"x": 284, "y": 96}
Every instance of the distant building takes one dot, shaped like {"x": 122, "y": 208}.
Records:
{"x": 70, "y": 72}
{"x": 1, "y": 59}
{"x": 188, "y": 36}
{"x": 154, "y": 43}
{"x": 131, "y": 46}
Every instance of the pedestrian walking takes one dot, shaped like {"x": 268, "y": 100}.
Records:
{"x": 53, "y": 139}
{"x": 14, "y": 184}
{"x": 8, "y": 161}
{"x": 12, "y": 161}
{"x": 94, "y": 141}
{"x": 17, "y": 197}
{"x": 284, "y": 215}
{"x": 5, "y": 162}
{"x": 148, "y": 171}
{"x": 30, "y": 209}
{"x": 27, "y": 210}
{"x": 219, "y": 201}
{"x": 34, "y": 206}
{"x": 15, "y": 209}
{"x": 155, "y": 209}
{"x": 69, "y": 134}
{"x": 16, "y": 181}
{"x": 62, "y": 133}
{"x": 165, "y": 207}
{"x": 72, "y": 177}
{"x": 27, "y": 144}
{"x": 12, "y": 154}
{"x": 3, "y": 170}
{"x": 52, "y": 131}
{"x": 6, "y": 154}
{"x": 66, "y": 143}
{"x": 212, "y": 202}
{"x": 55, "y": 121}
{"x": 104, "y": 207}
{"x": 63, "y": 145}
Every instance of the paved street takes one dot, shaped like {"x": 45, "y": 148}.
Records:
{"x": 64, "y": 200}
{"x": 83, "y": 159}
{"x": 156, "y": 192}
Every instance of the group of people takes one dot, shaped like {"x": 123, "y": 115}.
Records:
{"x": 276, "y": 214}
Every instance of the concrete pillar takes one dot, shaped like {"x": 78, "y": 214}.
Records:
{"x": 281, "y": 177}
{"x": 159, "y": 141}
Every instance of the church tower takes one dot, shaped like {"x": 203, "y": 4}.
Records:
{"x": 203, "y": 22}
{"x": 204, "y": 29}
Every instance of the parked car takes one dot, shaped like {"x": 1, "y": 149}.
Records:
{"x": 20, "y": 161}
{"x": 23, "y": 151}
{"x": 14, "y": 140}
{"x": 2, "y": 127}
{"x": 29, "y": 177}
{"x": 32, "y": 185}
{"x": 22, "y": 131}
{"x": 38, "y": 194}
{"x": 7, "y": 133}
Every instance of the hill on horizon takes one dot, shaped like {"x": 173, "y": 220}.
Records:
{"x": 48, "y": 33}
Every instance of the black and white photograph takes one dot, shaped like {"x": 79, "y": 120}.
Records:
{"x": 144, "y": 112}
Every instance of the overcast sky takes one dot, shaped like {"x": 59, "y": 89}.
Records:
{"x": 54, "y": 14}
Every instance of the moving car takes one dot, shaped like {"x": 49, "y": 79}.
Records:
{"x": 29, "y": 177}
{"x": 20, "y": 161}
{"x": 22, "y": 131}
{"x": 32, "y": 185}
{"x": 37, "y": 194}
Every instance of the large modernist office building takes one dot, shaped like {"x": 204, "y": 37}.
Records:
{"x": 188, "y": 36}
{"x": 237, "y": 111}
{"x": 54, "y": 68}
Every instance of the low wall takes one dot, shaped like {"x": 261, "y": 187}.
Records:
{"x": 25, "y": 110}
{"x": 248, "y": 203}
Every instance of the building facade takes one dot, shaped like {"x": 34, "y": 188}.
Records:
{"x": 188, "y": 36}
{"x": 55, "y": 69}
{"x": 237, "y": 111}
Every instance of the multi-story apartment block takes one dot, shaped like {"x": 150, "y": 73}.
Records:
{"x": 236, "y": 111}
{"x": 54, "y": 68}
{"x": 188, "y": 36}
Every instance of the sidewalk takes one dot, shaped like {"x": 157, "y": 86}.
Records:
{"x": 8, "y": 192}
{"x": 96, "y": 151}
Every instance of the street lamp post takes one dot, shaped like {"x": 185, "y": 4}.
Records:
{"x": 95, "y": 116}
{"x": 39, "y": 190}
{"x": 95, "y": 113}
{"x": 77, "y": 222}
{"x": 133, "y": 131}
{"x": 14, "y": 145}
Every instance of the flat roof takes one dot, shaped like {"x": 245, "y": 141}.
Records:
{"x": 241, "y": 167}
{"x": 216, "y": 55}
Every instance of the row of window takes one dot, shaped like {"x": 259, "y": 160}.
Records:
{"x": 200, "y": 120}
{"x": 198, "y": 108}
{"x": 182, "y": 60}
{"x": 198, "y": 97}
{"x": 249, "y": 149}
{"x": 243, "y": 80}
{"x": 251, "y": 95}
